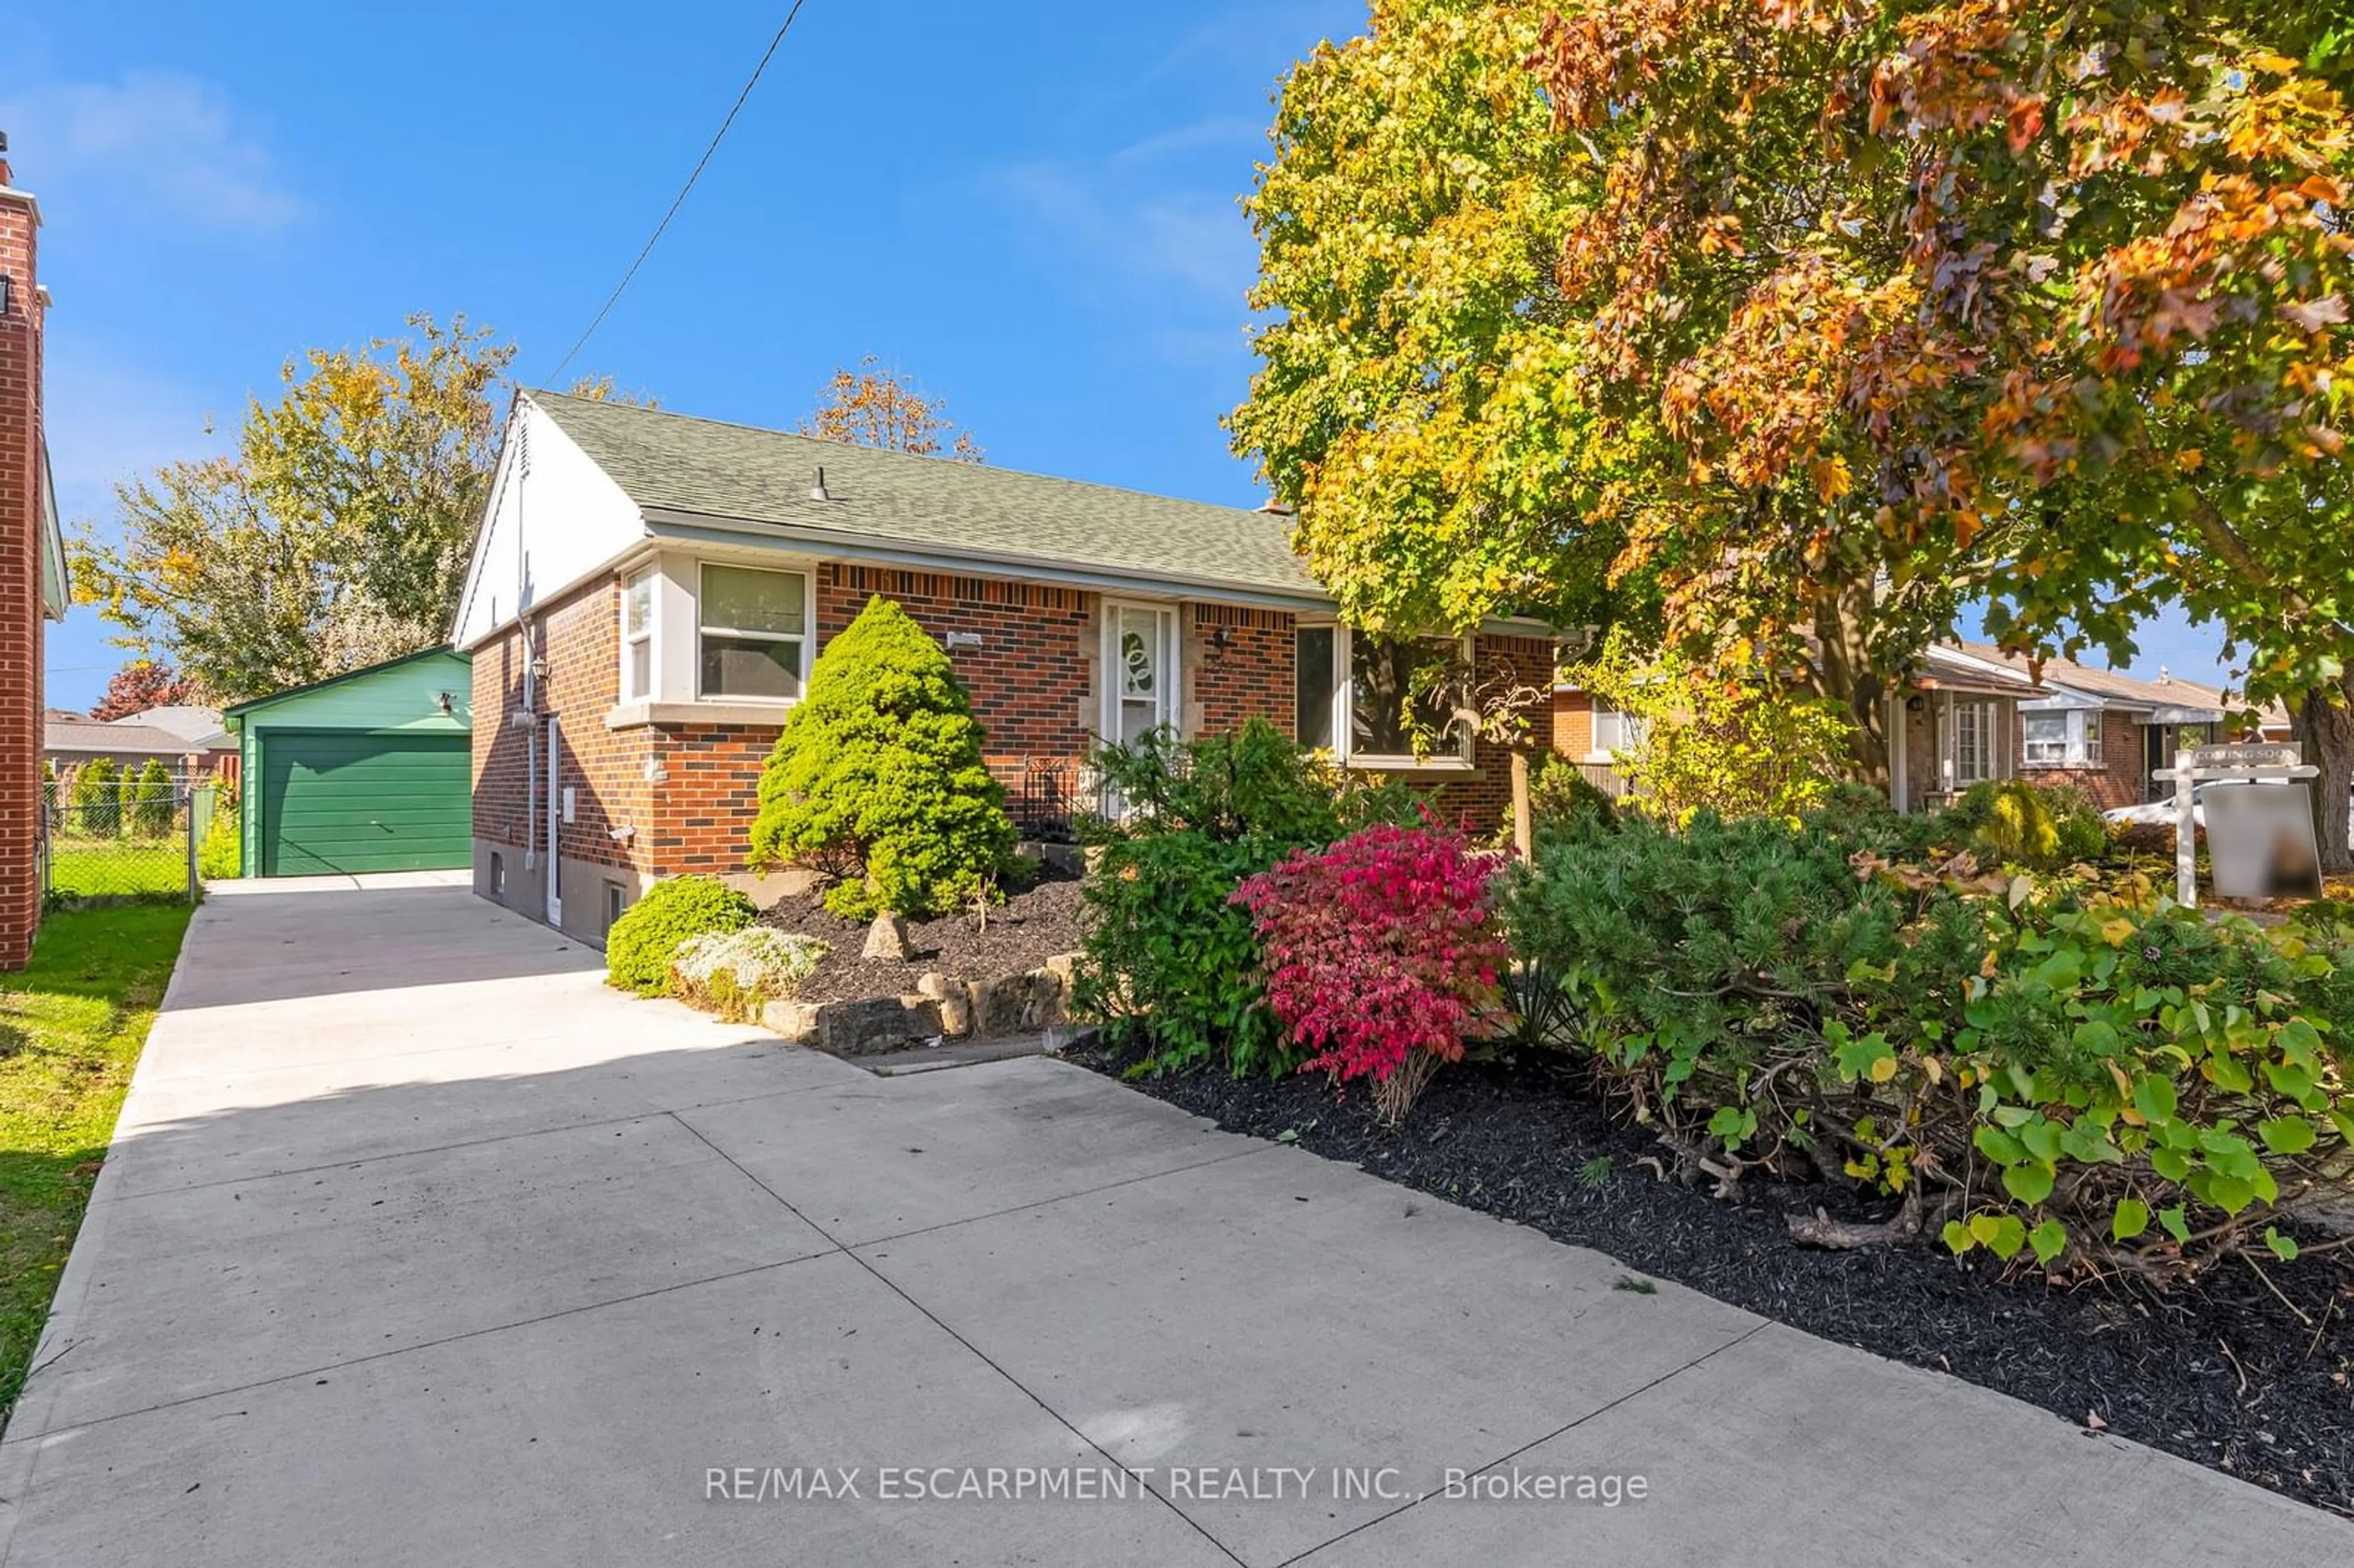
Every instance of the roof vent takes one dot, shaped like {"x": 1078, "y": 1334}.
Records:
{"x": 818, "y": 491}
{"x": 1272, "y": 505}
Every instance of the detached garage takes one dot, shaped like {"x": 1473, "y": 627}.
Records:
{"x": 368, "y": 771}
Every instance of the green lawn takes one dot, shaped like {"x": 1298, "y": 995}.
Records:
{"x": 71, "y": 1030}
{"x": 95, "y": 868}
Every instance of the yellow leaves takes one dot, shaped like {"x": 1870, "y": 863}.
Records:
{"x": 1831, "y": 477}
{"x": 1721, "y": 235}
{"x": 2190, "y": 460}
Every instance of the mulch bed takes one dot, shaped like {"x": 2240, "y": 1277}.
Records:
{"x": 1028, "y": 928}
{"x": 2220, "y": 1373}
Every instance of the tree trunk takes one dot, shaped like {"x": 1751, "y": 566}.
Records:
{"x": 1845, "y": 674}
{"x": 2325, "y": 723}
{"x": 1524, "y": 833}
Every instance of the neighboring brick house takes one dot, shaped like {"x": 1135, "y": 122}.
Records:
{"x": 649, "y": 591}
{"x": 1951, "y": 722}
{"x": 2105, "y": 731}
{"x": 32, "y": 567}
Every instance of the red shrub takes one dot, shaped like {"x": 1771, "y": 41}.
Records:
{"x": 1380, "y": 954}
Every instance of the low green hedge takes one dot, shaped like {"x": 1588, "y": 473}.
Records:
{"x": 2061, "y": 1065}
{"x": 641, "y": 943}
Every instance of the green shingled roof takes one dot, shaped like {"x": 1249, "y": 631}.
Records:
{"x": 673, "y": 463}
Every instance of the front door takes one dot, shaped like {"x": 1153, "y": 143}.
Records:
{"x": 555, "y": 824}
{"x": 1140, "y": 665}
{"x": 2153, "y": 758}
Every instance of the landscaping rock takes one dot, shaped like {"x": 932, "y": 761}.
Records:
{"x": 886, "y": 939}
{"x": 1020, "y": 1004}
{"x": 878, "y": 1023}
{"x": 795, "y": 1021}
{"x": 954, "y": 1000}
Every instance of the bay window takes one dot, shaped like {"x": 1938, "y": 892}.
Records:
{"x": 1366, "y": 698}
{"x": 638, "y": 635}
{"x": 751, "y": 634}
{"x": 2043, "y": 738}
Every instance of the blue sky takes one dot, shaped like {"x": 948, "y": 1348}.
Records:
{"x": 1030, "y": 209}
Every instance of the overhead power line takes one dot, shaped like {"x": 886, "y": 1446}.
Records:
{"x": 679, "y": 200}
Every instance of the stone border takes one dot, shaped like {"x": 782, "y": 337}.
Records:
{"x": 943, "y": 1007}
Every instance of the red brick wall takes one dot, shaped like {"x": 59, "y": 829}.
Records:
{"x": 1029, "y": 677}
{"x": 20, "y": 582}
{"x": 1253, "y": 674}
{"x": 1484, "y": 800}
{"x": 606, "y": 768}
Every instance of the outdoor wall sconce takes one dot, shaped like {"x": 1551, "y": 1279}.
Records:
{"x": 1912, "y": 703}
{"x": 1221, "y": 640}
{"x": 7, "y": 292}
{"x": 444, "y": 700}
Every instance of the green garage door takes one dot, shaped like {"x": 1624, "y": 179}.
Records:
{"x": 339, "y": 802}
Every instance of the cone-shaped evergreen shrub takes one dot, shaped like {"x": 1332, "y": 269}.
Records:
{"x": 878, "y": 777}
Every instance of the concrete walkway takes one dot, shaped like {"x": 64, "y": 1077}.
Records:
{"x": 417, "y": 1246}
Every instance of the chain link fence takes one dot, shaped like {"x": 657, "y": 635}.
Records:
{"x": 129, "y": 834}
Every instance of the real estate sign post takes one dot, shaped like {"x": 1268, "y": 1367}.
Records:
{"x": 2261, "y": 841}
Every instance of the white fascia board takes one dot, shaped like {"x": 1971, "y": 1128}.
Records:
{"x": 827, "y": 545}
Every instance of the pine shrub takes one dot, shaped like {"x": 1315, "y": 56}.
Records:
{"x": 641, "y": 943}
{"x": 878, "y": 780}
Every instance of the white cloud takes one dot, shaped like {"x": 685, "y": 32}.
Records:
{"x": 157, "y": 147}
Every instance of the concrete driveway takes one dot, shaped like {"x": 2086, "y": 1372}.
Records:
{"x": 417, "y": 1246}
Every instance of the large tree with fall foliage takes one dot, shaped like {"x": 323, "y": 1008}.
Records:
{"x": 1583, "y": 354}
{"x": 2125, "y": 226}
{"x": 337, "y": 536}
{"x": 142, "y": 685}
{"x": 874, "y": 406}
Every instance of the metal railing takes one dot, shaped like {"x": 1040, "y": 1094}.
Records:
{"x": 118, "y": 837}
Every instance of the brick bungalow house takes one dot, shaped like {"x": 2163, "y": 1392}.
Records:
{"x": 1951, "y": 724}
{"x": 2108, "y": 731}
{"x": 648, "y": 592}
{"x": 32, "y": 567}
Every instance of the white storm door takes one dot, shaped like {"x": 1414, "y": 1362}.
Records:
{"x": 1139, "y": 663}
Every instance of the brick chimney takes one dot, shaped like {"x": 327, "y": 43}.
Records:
{"x": 23, "y": 528}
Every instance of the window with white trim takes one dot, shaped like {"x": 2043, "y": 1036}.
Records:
{"x": 2092, "y": 724}
{"x": 1615, "y": 730}
{"x": 1365, "y": 698}
{"x": 2043, "y": 738}
{"x": 751, "y": 634}
{"x": 638, "y": 635}
{"x": 1973, "y": 741}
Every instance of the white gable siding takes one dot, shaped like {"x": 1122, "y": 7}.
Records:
{"x": 554, "y": 517}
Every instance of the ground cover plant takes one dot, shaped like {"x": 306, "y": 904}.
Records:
{"x": 737, "y": 973}
{"x": 877, "y": 779}
{"x": 639, "y": 947}
{"x": 71, "y": 1027}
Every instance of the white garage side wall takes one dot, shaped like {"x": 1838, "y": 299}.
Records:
{"x": 554, "y": 517}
